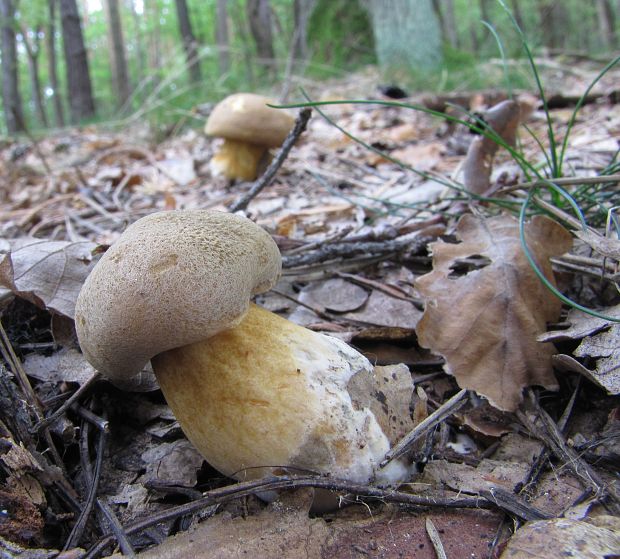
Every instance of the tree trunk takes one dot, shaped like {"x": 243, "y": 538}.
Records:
{"x": 81, "y": 103}
{"x": 302, "y": 10}
{"x": 154, "y": 39}
{"x": 12, "y": 103}
{"x": 120, "y": 74}
{"x": 553, "y": 22}
{"x": 259, "y": 18}
{"x": 240, "y": 24}
{"x": 221, "y": 37}
{"x": 407, "y": 35}
{"x": 52, "y": 65}
{"x": 445, "y": 14}
{"x": 32, "y": 52}
{"x": 606, "y": 23}
{"x": 518, "y": 15}
{"x": 189, "y": 41}
{"x": 140, "y": 66}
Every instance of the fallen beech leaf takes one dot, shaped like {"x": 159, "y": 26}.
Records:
{"x": 606, "y": 246}
{"x": 567, "y": 538}
{"x": 46, "y": 273}
{"x": 336, "y": 295}
{"x": 485, "y": 322}
{"x": 504, "y": 119}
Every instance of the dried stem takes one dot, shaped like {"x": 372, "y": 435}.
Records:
{"x": 266, "y": 178}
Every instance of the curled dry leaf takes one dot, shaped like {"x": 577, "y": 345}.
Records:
{"x": 504, "y": 119}
{"x": 485, "y": 322}
{"x": 46, "y": 273}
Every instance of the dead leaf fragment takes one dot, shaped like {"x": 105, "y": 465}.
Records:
{"x": 46, "y": 273}
{"x": 567, "y": 538}
{"x": 336, "y": 295}
{"x": 607, "y": 246}
{"x": 485, "y": 322}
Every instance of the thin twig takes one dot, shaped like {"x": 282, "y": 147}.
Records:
{"x": 548, "y": 432}
{"x": 78, "y": 529}
{"x": 411, "y": 242}
{"x": 67, "y": 404}
{"x": 117, "y": 529}
{"x": 444, "y": 411}
{"x": 243, "y": 489}
{"x": 513, "y": 504}
{"x": 269, "y": 174}
{"x": 564, "y": 181}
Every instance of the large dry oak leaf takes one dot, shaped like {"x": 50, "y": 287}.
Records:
{"x": 485, "y": 321}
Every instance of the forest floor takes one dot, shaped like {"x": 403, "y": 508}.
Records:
{"x": 366, "y": 244}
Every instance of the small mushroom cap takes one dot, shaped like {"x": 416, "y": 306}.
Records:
{"x": 245, "y": 117}
{"x": 172, "y": 278}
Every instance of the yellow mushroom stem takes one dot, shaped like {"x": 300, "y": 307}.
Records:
{"x": 238, "y": 160}
{"x": 269, "y": 394}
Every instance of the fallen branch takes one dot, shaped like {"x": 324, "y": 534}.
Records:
{"x": 243, "y": 489}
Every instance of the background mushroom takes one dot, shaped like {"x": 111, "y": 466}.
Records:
{"x": 249, "y": 128}
{"x": 255, "y": 393}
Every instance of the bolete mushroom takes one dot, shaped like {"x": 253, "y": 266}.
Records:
{"x": 255, "y": 393}
{"x": 249, "y": 128}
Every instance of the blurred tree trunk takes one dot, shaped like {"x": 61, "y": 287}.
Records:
{"x": 554, "y": 22}
{"x": 259, "y": 18}
{"x": 302, "y": 9}
{"x": 81, "y": 102}
{"x": 240, "y": 24}
{"x": 221, "y": 37}
{"x": 154, "y": 39}
{"x": 407, "y": 34}
{"x": 120, "y": 74}
{"x": 11, "y": 100}
{"x": 52, "y": 65}
{"x": 140, "y": 66}
{"x": 189, "y": 40}
{"x": 32, "y": 53}
{"x": 518, "y": 15}
{"x": 606, "y": 23}
{"x": 445, "y": 14}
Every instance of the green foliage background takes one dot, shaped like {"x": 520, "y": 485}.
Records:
{"x": 340, "y": 41}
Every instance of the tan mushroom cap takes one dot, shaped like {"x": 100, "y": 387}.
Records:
{"x": 172, "y": 278}
{"x": 245, "y": 117}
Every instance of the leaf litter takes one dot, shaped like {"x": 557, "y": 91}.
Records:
{"x": 339, "y": 214}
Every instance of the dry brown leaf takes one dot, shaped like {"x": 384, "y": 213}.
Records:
{"x": 504, "y": 119}
{"x": 485, "y": 322}
{"x": 567, "y": 538}
{"x": 335, "y": 295}
{"x": 46, "y": 273}
{"x": 606, "y": 246}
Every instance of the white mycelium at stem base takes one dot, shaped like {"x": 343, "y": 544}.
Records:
{"x": 256, "y": 394}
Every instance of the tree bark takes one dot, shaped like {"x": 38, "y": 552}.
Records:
{"x": 189, "y": 40}
{"x": 445, "y": 13}
{"x": 407, "y": 35}
{"x": 606, "y": 23}
{"x": 259, "y": 18}
{"x": 553, "y": 21}
{"x": 52, "y": 65}
{"x": 81, "y": 102}
{"x": 518, "y": 15}
{"x": 32, "y": 52}
{"x": 221, "y": 37}
{"x": 140, "y": 67}
{"x": 302, "y": 10}
{"x": 12, "y": 103}
{"x": 120, "y": 74}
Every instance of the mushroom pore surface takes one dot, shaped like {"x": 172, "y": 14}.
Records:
{"x": 172, "y": 279}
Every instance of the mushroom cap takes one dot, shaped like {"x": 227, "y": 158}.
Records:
{"x": 172, "y": 278}
{"x": 245, "y": 117}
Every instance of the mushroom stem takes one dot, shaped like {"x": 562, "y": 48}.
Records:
{"x": 269, "y": 394}
{"x": 237, "y": 159}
